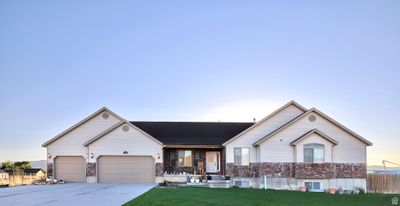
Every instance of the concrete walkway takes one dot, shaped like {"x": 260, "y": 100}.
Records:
{"x": 72, "y": 194}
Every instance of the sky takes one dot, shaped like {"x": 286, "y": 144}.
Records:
{"x": 221, "y": 60}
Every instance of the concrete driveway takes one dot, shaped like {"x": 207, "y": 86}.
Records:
{"x": 72, "y": 194}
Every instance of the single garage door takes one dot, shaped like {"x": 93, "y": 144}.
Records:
{"x": 125, "y": 169}
{"x": 70, "y": 169}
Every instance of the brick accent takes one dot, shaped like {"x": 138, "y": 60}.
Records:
{"x": 90, "y": 169}
{"x": 251, "y": 170}
{"x": 351, "y": 170}
{"x": 315, "y": 170}
{"x": 279, "y": 169}
{"x": 50, "y": 169}
{"x": 159, "y": 169}
{"x": 298, "y": 170}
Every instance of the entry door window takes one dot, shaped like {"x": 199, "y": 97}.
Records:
{"x": 212, "y": 161}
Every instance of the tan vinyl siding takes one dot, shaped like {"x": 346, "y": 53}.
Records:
{"x": 271, "y": 124}
{"x": 125, "y": 169}
{"x": 72, "y": 143}
{"x": 70, "y": 169}
{"x": 348, "y": 149}
{"x": 132, "y": 141}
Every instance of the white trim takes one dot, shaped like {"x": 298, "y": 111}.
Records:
{"x": 86, "y": 144}
{"x": 265, "y": 119}
{"x": 309, "y": 133}
{"x": 79, "y": 124}
{"x": 368, "y": 143}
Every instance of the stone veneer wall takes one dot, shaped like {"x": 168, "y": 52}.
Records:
{"x": 351, "y": 170}
{"x": 298, "y": 170}
{"x": 50, "y": 169}
{"x": 159, "y": 169}
{"x": 314, "y": 170}
{"x": 90, "y": 169}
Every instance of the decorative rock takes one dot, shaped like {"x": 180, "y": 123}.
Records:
{"x": 159, "y": 169}
{"x": 91, "y": 169}
{"x": 298, "y": 170}
{"x": 49, "y": 169}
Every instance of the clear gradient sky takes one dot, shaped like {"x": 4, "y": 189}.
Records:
{"x": 229, "y": 60}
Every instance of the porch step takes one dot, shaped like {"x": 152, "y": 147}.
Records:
{"x": 200, "y": 184}
{"x": 215, "y": 177}
{"x": 219, "y": 183}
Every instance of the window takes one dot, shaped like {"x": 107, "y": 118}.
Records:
{"x": 185, "y": 158}
{"x": 172, "y": 159}
{"x": 242, "y": 184}
{"x": 196, "y": 158}
{"x": 313, "y": 186}
{"x": 241, "y": 156}
{"x": 314, "y": 153}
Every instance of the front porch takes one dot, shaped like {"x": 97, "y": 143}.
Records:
{"x": 194, "y": 159}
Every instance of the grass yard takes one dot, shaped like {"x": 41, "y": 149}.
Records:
{"x": 235, "y": 196}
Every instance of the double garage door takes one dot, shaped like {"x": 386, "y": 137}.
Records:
{"x": 110, "y": 169}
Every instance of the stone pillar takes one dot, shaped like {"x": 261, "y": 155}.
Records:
{"x": 91, "y": 172}
{"x": 50, "y": 169}
{"x": 91, "y": 169}
{"x": 159, "y": 169}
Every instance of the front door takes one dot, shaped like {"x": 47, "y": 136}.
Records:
{"x": 212, "y": 162}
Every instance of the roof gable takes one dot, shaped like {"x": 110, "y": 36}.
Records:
{"x": 119, "y": 124}
{"x": 311, "y": 132}
{"x": 320, "y": 114}
{"x": 291, "y": 103}
{"x": 79, "y": 124}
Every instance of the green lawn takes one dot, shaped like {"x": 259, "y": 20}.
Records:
{"x": 234, "y": 196}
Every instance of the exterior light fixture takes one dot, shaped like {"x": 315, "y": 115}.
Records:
{"x": 125, "y": 152}
{"x": 49, "y": 155}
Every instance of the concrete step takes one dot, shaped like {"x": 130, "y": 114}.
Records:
{"x": 218, "y": 181}
{"x": 219, "y": 185}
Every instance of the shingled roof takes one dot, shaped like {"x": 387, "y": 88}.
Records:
{"x": 192, "y": 133}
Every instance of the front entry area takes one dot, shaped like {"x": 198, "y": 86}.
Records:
{"x": 193, "y": 160}
{"x": 213, "y": 162}
{"x": 126, "y": 169}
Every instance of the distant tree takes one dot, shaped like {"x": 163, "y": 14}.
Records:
{"x": 7, "y": 165}
{"x": 22, "y": 165}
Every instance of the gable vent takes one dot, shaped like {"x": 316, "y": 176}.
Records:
{"x": 105, "y": 115}
{"x": 125, "y": 128}
{"x": 312, "y": 118}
